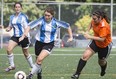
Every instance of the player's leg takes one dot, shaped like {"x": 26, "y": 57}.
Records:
{"x": 11, "y": 45}
{"x": 28, "y": 57}
{"x": 102, "y": 55}
{"x": 41, "y": 55}
{"x": 25, "y": 45}
{"x": 91, "y": 49}
{"x": 103, "y": 66}
{"x": 82, "y": 62}
{"x": 39, "y": 74}
{"x": 37, "y": 66}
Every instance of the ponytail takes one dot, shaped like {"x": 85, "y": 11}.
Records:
{"x": 105, "y": 17}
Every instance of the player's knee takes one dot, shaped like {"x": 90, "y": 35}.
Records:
{"x": 85, "y": 57}
{"x": 26, "y": 53}
{"x": 102, "y": 62}
{"x": 8, "y": 49}
{"x": 39, "y": 60}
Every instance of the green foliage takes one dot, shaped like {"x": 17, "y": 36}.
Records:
{"x": 69, "y": 13}
{"x": 32, "y": 11}
{"x": 83, "y": 22}
{"x": 8, "y": 1}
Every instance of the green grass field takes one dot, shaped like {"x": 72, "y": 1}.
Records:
{"x": 61, "y": 64}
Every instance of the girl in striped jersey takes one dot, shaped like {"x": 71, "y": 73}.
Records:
{"x": 18, "y": 22}
{"x": 45, "y": 37}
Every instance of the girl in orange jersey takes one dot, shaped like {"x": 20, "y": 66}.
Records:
{"x": 101, "y": 43}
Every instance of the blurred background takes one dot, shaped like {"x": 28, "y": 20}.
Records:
{"x": 75, "y": 12}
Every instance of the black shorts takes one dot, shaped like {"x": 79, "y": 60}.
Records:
{"x": 39, "y": 46}
{"x": 102, "y": 52}
{"x": 24, "y": 43}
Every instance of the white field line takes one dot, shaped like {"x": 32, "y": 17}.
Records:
{"x": 58, "y": 54}
{"x": 65, "y": 54}
{"x": 78, "y": 50}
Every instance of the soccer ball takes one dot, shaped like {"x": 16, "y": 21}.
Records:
{"x": 20, "y": 75}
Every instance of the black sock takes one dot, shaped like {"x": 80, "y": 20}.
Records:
{"x": 39, "y": 75}
{"x": 103, "y": 68}
{"x": 80, "y": 66}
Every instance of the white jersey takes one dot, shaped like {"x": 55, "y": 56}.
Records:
{"x": 47, "y": 32}
{"x": 18, "y": 23}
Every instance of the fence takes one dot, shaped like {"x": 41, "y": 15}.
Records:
{"x": 70, "y": 12}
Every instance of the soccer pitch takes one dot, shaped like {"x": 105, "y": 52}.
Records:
{"x": 61, "y": 64}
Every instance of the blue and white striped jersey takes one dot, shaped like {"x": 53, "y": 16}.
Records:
{"x": 47, "y": 32}
{"x": 18, "y": 23}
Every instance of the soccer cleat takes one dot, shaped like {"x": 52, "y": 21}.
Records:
{"x": 39, "y": 76}
{"x": 102, "y": 73}
{"x": 29, "y": 76}
{"x": 10, "y": 68}
{"x": 75, "y": 76}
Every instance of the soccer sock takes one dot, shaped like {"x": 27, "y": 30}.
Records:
{"x": 103, "y": 68}
{"x": 30, "y": 61}
{"x": 80, "y": 66}
{"x": 39, "y": 75}
{"x": 36, "y": 69}
{"x": 11, "y": 59}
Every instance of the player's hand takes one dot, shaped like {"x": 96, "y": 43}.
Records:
{"x": 1, "y": 26}
{"x": 8, "y": 29}
{"x": 70, "y": 39}
{"x": 21, "y": 38}
{"x": 87, "y": 36}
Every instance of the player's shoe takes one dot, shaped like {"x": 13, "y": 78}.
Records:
{"x": 39, "y": 76}
{"x": 29, "y": 76}
{"x": 102, "y": 73}
{"x": 75, "y": 76}
{"x": 10, "y": 68}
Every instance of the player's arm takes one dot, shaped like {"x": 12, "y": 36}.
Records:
{"x": 25, "y": 33}
{"x": 1, "y": 26}
{"x": 66, "y": 25}
{"x": 87, "y": 36}
{"x": 8, "y": 28}
{"x": 70, "y": 34}
{"x": 89, "y": 27}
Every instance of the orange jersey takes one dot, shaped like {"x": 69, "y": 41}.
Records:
{"x": 102, "y": 30}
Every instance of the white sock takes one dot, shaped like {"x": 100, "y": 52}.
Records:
{"x": 36, "y": 68}
{"x": 30, "y": 61}
{"x": 11, "y": 59}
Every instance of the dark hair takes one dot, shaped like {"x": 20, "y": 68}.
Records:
{"x": 102, "y": 14}
{"x": 50, "y": 10}
{"x": 17, "y": 3}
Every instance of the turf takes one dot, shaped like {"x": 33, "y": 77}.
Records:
{"x": 61, "y": 64}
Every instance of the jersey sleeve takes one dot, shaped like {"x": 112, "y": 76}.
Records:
{"x": 35, "y": 23}
{"x": 10, "y": 21}
{"x": 62, "y": 24}
{"x": 25, "y": 21}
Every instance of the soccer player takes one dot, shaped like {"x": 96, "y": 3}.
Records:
{"x": 18, "y": 22}
{"x": 47, "y": 33}
{"x": 101, "y": 43}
